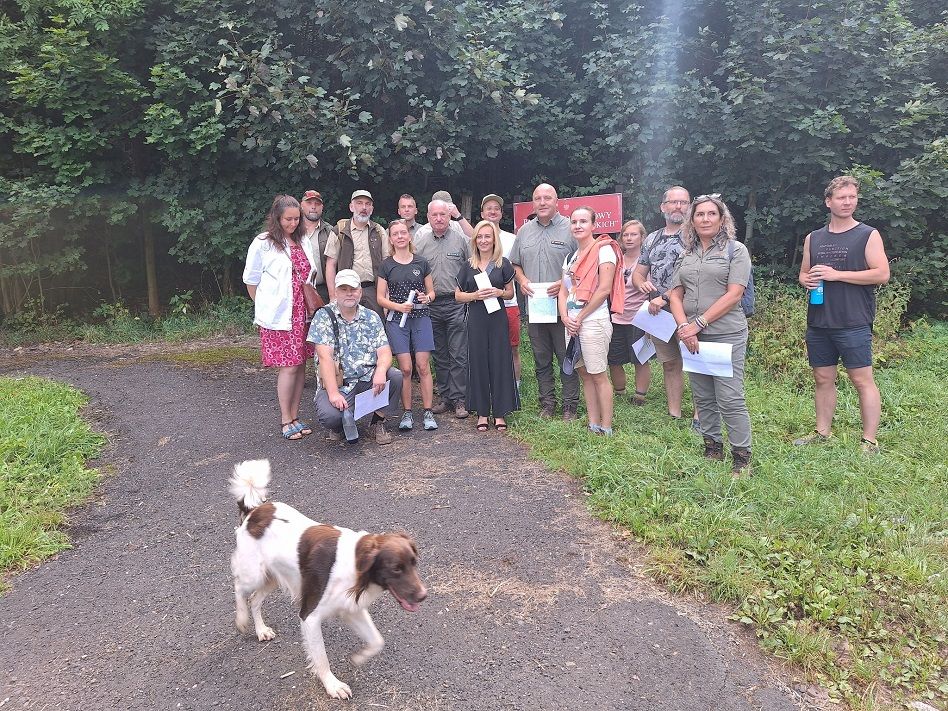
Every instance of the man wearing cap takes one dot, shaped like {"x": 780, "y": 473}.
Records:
{"x": 446, "y": 249}
{"x": 318, "y": 232}
{"x": 353, "y": 334}
{"x": 541, "y": 247}
{"x": 492, "y": 209}
{"x": 408, "y": 211}
{"x": 359, "y": 244}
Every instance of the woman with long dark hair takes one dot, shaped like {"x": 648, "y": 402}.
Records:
{"x": 279, "y": 261}
{"x": 705, "y": 299}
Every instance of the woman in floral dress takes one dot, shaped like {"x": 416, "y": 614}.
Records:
{"x": 278, "y": 262}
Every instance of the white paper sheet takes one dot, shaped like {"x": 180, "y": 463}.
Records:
{"x": 662, "y": 325}
{"x": 542, "y": 308}
{"x": 482, "y": 279}
{"x": 711, "y": 359}
{"x": 643, "y": 349}
{"x": 367, "y": 402}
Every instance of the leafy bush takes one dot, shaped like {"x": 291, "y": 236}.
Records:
{"x": 778, "y": 329}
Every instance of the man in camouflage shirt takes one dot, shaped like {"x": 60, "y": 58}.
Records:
{"x": 364, "y": 354}
{"x": 653, "y": 275}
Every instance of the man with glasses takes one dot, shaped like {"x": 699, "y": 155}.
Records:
{"x": 653, "y": 275}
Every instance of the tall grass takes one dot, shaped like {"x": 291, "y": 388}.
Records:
{"x": 44, "y": 445}
{"x": 838, "y": 561}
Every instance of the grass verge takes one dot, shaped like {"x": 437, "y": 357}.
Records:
{"x": 839, "y": 562}
{"x": 44, "y": 445}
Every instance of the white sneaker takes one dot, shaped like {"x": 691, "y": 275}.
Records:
{"x": 429, "y": 421}
{"x": 407, "y": 421}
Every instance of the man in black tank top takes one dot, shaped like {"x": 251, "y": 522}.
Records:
{"x": 847, "y": 257}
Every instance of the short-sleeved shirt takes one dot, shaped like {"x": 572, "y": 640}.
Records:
{"x": 660, "y": 253}
{"x": 359, "y": 341}
{"x": 444, "y": 255}
{"x": 705, "y": 277}
{"x": 607, "y": 255}
{"x": 540, "y": 250}
{"x": 403, "y": 278}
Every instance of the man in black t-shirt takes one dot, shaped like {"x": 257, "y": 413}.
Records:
{"x": 847, "y": 259}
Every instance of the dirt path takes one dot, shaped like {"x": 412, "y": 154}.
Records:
{"x": 534, "y": 605}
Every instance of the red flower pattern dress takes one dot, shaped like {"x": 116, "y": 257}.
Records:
{"x": 283, "y": 349}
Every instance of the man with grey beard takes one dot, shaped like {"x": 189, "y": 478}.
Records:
{"x": 653, "y": 275}
{"x": 359, "y": 244}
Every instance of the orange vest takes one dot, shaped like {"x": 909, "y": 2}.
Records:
{"x": 587, "y": 274}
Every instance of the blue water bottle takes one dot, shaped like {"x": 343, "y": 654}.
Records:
{"x": 816, "y": 295}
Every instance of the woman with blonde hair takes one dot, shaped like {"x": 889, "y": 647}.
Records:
{"x": 401, "y": 274}
{"x": 624, "y": 334}
{"x": 705, "y": 299}
{"x": 483, "y": 282}
{"x": 279, "y": 261}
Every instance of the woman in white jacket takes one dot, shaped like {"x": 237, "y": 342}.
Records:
{"x": 278, "y": 262}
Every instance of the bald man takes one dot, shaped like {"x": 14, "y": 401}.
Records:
{"x": 538, "y": 253}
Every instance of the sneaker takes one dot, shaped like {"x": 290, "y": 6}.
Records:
{"x": 867, "y": 446}
{"x": 459, "y": 410}
{"x": 349, "y": 427}
{"x": 442, "y": 407}
{"x": 407, "y": 421}
{"x": 595, "y": 429}
{"x": 429, "y": 421}
{"x": 812, "y": 438}
{"x": 742, "y": 462}
{"x": 713, "y": 449}
{"x": 568, "y": 414}
{"x": 382, "y": 436}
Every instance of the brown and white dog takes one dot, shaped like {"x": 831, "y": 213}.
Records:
{"x": 329, "y": 571}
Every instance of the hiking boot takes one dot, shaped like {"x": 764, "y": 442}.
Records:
{"x": 713, "y": 449}
{"x": 867, "y": 446}
{"x": 429, "y": 421}
{"x": 569, "y": 414}
{"x": 459, "y": 410}
{"x": 333, "y": 435}
{"x": 407, "y": 421}
{"x": 812, "y": 438}
{"x": 442, "y": 407}
{"x": 382, "y": 436}
{"x": 742, "y": 462}
{"x": 349, "y": 427}
{"x": 547, "y": 411}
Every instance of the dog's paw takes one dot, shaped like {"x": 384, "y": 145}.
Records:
{"x": 265, "y": 634}
{"x": 336, "y": 689}
{"x": 242, "y": 622}
{"x": 363, "y": 655}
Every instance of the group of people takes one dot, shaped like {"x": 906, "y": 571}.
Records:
{"x": 447, "y": 288}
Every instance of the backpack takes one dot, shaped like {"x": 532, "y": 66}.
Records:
{"x": 749, "y": 298}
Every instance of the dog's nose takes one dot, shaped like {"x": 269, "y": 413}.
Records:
{"x": 422, "y": 594}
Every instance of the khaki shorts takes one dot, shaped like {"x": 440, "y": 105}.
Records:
{"x": 666, "y": 352}
{"x": 594, "y": 338}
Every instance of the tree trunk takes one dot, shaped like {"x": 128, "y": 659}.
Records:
{"x": 108, "y": 269}
{"x": 151, "y": 276}
{"x": 750, "y": 216}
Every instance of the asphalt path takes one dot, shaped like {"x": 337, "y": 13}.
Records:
{"x": 533, "y": 603}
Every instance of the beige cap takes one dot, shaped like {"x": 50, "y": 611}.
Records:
{"x": 361, "y": 193}
{"x": 348, "y": 277}
{"x": 497, "y": 198}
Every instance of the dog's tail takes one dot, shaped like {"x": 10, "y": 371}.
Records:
{"x": 248, "y": 484}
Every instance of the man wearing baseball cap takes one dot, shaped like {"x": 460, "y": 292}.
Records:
{"x": 492, "y": 209}
{"x": 360, "y": 245}
{"x": 318, "y": 231}
{"x": 346, "y": 331}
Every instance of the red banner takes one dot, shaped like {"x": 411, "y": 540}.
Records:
{"x": 608, "y": 211}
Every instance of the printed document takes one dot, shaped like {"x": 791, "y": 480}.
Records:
{"x": 368, "y": 402}
{"x": 711, "y": 359}
{"x": 542, "y": 308}
{"x": 482, "y": 279}
{"x": 662, "y": 325}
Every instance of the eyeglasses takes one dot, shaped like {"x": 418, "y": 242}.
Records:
{"x": 704, "y": 198}
{"x": 674, "y": 202}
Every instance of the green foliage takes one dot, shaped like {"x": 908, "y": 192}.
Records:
{"x": 836, "y": 560}
{"x": 44, "y": 445}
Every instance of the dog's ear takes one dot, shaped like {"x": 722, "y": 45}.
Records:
{"x": 409, "y": 540}
{"x": 366, "y": 554}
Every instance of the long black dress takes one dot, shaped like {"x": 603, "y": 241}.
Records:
{"x": 490, "y": 372}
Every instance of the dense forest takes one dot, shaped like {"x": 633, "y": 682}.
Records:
{"x": 141, "y": 141}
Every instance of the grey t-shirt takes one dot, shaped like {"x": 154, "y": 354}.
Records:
{"x": 705, "y": 277}
{"x": 540, "y": 250}
{"x": 444, "y": 254}
{"x": 660, "y": 253}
